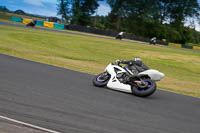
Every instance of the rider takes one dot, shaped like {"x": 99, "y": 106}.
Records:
{"x": 120, "y": 35}
{"x": 135, "y": 65}
{"x": 153, "y": 40}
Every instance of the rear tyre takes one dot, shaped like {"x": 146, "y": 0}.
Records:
{"x": 101, "y": 80}
{"x": 146, "y": 91}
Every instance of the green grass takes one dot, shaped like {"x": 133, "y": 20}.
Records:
{"x": 6, "y": 15}
{"x": 91, "y": 55}
{"x": 3, "y": 16}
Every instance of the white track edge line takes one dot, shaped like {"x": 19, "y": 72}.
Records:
{"x": 29, "y": 125}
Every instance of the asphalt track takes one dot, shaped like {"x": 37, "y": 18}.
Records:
{"x": 66, "y": 101}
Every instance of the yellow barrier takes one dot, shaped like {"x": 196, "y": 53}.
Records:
{"x": 48, "y": 24}
{"x": 196, "y": 48}
{"x": 26, "y": 21}
{"x": 175, "y": 45}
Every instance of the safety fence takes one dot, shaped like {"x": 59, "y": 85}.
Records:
{"x": 108, "y": 33}
{"x": 97, "y": 31}
{"x": 183, "y": 46}
{"x": 38, "y": 22}
{"x": 175, "y": 45}
{"x": 26, "y": 21}
{"x": 196, "y": 47}
{"x": 59, "y": 26}
{"x": 48, "y": 24}
{"x": 16, "y": 19}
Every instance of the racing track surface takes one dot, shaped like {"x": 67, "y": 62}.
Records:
{"x": 66, "y": 101}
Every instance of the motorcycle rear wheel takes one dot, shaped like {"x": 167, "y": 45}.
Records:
{"x": 144, "y": 92}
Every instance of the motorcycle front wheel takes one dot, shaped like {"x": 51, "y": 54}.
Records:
{"x": 101, "y": 80}
{"x": 145, "y": 91}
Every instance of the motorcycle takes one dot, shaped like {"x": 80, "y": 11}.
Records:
{"x": 121, "y": 78}
{"x": 153, "y": 41}
{"x": 118, "y": 37}
{"x": 31, "y": 24}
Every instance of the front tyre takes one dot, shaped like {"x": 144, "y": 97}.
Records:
{"x": 101, "y": 80}
{"x": 146, "y": 91}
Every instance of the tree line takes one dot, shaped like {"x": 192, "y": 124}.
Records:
{"x": 164, "y": 19}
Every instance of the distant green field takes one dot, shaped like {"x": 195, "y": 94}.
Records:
{"x": 91, "y": 55}
{"x": 6, "y": 16}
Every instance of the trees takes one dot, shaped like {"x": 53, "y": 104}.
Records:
{"x": 20, "y": 12}
{"x": 4, "y": 8}
{"x": 164, "y": 19}
{"x": 179, "y": 12}
{"x": 150, "y": 18}
{"x": 118, "y": 8}
{"x": 77, "y": 11}
{"x": 82, "y": 10}
{"x": 64, "y": 9}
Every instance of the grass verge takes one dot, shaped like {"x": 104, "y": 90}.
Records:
{"x": 91, "y": 55}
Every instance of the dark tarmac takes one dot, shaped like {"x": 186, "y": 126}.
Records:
{"x": 66, "y": 101}
{"x": 7, "y": 126}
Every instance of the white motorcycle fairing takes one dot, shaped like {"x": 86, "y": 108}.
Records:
{"x": 153, "y": 74}
{"x": 115, "y": 84}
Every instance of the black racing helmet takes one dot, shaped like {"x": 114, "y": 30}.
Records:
{"x": 138, "y": 61}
